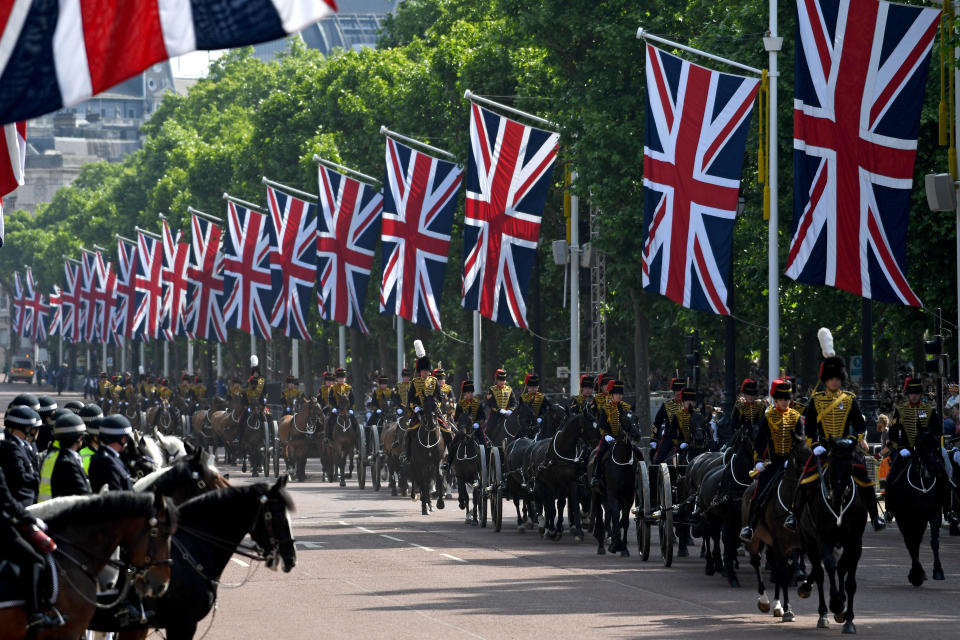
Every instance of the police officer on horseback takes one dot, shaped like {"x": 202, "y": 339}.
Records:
{"x": 616, "y": 423}
{"x": 912, "y": 418}
{"x": 771, "y": 449}
{"x": 585, "y": 401}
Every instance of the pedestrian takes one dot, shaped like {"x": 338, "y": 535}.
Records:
{"x": 61, "y": 379}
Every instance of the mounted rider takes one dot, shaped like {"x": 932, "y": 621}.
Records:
{"x": 290, "y": 396}
{"x": 585, "y": 401}
{"x": 103, "y": 387}
{"x": 62, "y": 472}
{"x": 500, "y": 399}
{"x": 234, "y": 390}
{"x": 323, "y": 396}
{"x": 677, "y": 436}
{"x": 381, "y": 399}
{"x": 148, "y": 387}
{"x": 164, "y": 392}
{"x": 911, "y": 419}
{"x": 771, "y": 449}
{"x": 91, "y": 415}
{"x": 341, "y": 389}
{"x": 661, "y": 422}
{"x": 533, "y": 398}
{"x": 446, "y": 391}
{"x": 749, "y": 410}
{"x": 199, "y": 389}
{"x": 473, "y": 409}
{"x": 833, "y": 414}
{"x": 616, "y": 423}
{"x": 423, "y": 385}
{"x": 403, "y": 387}
{"x": 601, "y": 387}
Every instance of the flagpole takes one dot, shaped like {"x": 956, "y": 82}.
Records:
{"x": 219, "y": 360}
{"x": 123, "y": 353}
{"x": 477, "y": 381}
{"x": 342, "y": 339}
{"x": 142, "y": 363}
{"x": 189, "y": 356}
{"x": 574, "y": 289}
{"x": 103, "y": 360}
{"x": 399, "y": 347}
{"x": 253, "y": 344}
{"x": 295, "y": 358}
{"x": 243, "y": 203}
{"x": 472, "y": 97}
{"x": 413, "y": 141}
{"x": 772, "y": 43}
{"x": 339, "y": 167}
{"x": 166, "y": 359}
{"x": 643, "y": 34}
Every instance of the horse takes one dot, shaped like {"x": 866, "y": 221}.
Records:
{"x": 913, "y": 498}
{"x": 700, "y": 441}
{"x": 391, "y": 443}
{"x": 613, "y": 497}
{"x": 510, "y": 427}
{"x": 834, "y": 518}
{"x": 225, "y": 426}
{"x": 87, "y": 529}
{"x": 186, "y": 478}
{"x": 466, "y": 467}
{"x": 344, "y": 440}
{"x": 782, "y": 543}
{"x": 211, "y": 529}
{"x": 426, "y": 453}
{"x": 298, "y": 433}
{"x": 250, "y": 439}
{"x": 553, "y": 464}
{"x": 164, "y": 416}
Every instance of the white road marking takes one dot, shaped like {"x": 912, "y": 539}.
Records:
{"x": 383, "y": 535}
{"x": 309, "y": 544}
{"x": 420, "y": 546}
{"x": 342, "y": 522}
{"x": 447, "y": 555}
{"x": 239, "y": 562}
{"x": 365, "y": 530}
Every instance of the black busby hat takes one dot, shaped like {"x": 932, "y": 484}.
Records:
{"x": 781, "y": 390}
{"x": 616, "y": 387}
{"x": 531, "y": 380}
{"x": 383, "y": 380}
{"x": 328, "y": 376}
{"x": 832, "y": 365}
{"x": 749, "y": 387}
{"x": 197, "y": 379}
{"x": 406, "y": 372}
{"x": 688, "y": 394}
{"x": 69, "y": 424}
{"x": 291, "y": 380}
{"x": 677, "y": 384}
{"x": 423, "y": 364}
{"x": 466, "y": 386}
{"x": 501, "y": 374}
{"x": 252, "y": 380}
{"x": 586, "y": 382}
{"x": 912, "y": 385}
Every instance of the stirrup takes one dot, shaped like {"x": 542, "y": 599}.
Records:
{"x": 879, "y": 524}
{"x": 40, "y": 620}
{"x": 746, "y": 535}
{"x": 790, "y": 523}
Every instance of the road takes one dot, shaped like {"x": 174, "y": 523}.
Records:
{"x": 370, "y": 566}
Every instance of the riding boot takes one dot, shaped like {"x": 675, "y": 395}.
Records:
{"x": 746, "y": 534}
{"x": 36, "y": 617}
{"x": 793, "y": 517}
{"x": 870, "y": 499}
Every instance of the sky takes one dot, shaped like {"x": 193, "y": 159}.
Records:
{"x": 195, "y": 64}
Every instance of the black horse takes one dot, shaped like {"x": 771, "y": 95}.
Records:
{"x": 912, "y": 496}
{"x": 613, "y": 496}
{"x": 833, "y": 518}
{"x": 186, "y": 478}
{"x": 426, "y": 453}
{"x": 466, "y": 465}
{"x": 211, "y": 529}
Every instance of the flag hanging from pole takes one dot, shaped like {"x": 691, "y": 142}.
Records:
{"x": 175, "y": 263}
{"x": 124, "y": 305}
{"x": 293, "y": 261}
{"x": 508, "y": 172}
{"x": 248, "y": 289}
{"x": 56, "y": 311}
{"x": 105, "y": 295}
{"x": 205, "y": 281}
{"x": 418, "y": 205}
{"x": 13, "y": 156}
{"x": 88, "y": 277}
{"x": 19, "y": 305}
{"x": 71, "y": 318}
{"x": 39, "y": 311}
{"x": 861, "y": 75}
{"x": 696, "y": 134}
{"x": 148, "y": 285}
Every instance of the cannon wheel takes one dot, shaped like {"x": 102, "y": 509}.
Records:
{"x": 362, "y": 457}
{"x": 496, "y": 489}
{"x": 480, "y": 493}
{"x": 374, "y": 445}
{"x": 275, "y": 444}
{"x": 643, "y": 510}
{"x": 666, "y": 516}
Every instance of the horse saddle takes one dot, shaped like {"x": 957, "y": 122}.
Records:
{"x": 11, "y": 585}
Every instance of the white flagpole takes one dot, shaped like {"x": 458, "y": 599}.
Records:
{"x": 142, "y": 363}
{"x": 189, "y": 356}
{"x": 253, "y": 344}
{"x": 477, "y": 381}
{"x": 772, "y": 43}
{"x": 399, "y": 347}
{"x": 219, "y": 360}
{"x": 342, "y": 339}
{"x": 123, "y": 354}
{"x": 295, "y": 358}
{"x": 166, "y": 359}
{"x": 104, "y": 358}
{"x": 574, "y": 290}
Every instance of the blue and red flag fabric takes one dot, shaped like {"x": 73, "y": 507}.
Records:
{"x": 148, "y": 284}
{"x": 419, "y": 200}
{"x": 508, "y": 172}
{"x": 19, "y": 305}
{"x": 13, "y": 155}
{"x": 124, "y": 305}
{"x": 248, "y": 288}
{"x": 56, "y": 54}
{"x": 347, "y": 230}
{"x": 861, "y": 75}
{"x": 696, "y": 133}
{"x": 293, "y": 261}
{"x": 56, "y": 310}
{"x": 39, "y": 311}
{"x": 205, "y": 281}
{"x": 88, "y": 280}
{"x": 176, "y": 261}
{"x": 71, "y": 302}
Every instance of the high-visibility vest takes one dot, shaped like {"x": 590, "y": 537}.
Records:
{"x": 46, "y": 474}
{"x": 85, "y": 454}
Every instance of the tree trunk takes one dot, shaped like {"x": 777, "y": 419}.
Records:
{"x": 641, "y": 351}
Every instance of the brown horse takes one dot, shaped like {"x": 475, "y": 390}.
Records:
{"x": 225, "y": 428}
{"x": 298, "y": 433}
{"x": 391, "y": 442}
{"x": 344, "y": 439}
{"x": 87, "y": 529}
{"x": 165, "y": 416}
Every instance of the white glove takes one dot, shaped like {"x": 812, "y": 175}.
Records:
{"x": 350, "y": 411}
{"x": 379, "y": 411}
{"x": 608, "y": 438}
{"x": 504, "y": 412}
{"x": 904, "y": 453}
{"x": 41, "y": 524}
{"x": 509, "y": 411}
{"x": 334, "y": 410}
{"x": 683, "y": 445}
{"x": 653, "y": 445}
{"x": 399, "y": 412}
{"x": 786, "y": 463}
{"x": 539, "y": 420}
{"x": 819, "y": 450}
{"x": 416, "y": 409}
{"x": 476, "y": 425}
{"x": 759, "y": 467}
{"x": 368, "y": 415}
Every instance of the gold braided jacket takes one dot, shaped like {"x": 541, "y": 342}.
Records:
{"x": 403, "y": 388}
{"x": 446, "y": 389}
{"x": 913, "y": 420}
{"x": 324, "y": 394}
{"x": 535, "y": 400}
{"x": 583, "y": 403}
{"x": 290, "y": 396}
{"x": 501, "y": 395}
{"x": 833, "y": 409}
{"x": 383, "y": 395}
{"x": 165, "y": 392}
{"x": 470, "y": 407}
{"x": 672, "y": 407}
{"x": 200, "y": 391}
{"x": 424, "y": 387}
{"x": 601, "y": 400}
{"x": 341, "y": 389}
{"x": 612, "y": 412}
{"x": 750, "y": 411}
{"x": 253, "y": 393}
{"x": 782, "y": 427}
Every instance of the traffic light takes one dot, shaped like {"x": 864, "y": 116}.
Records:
{"x": 936, "y": 363}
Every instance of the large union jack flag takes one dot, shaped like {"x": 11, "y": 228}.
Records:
{"x": 348, "y": 227}
{"x": 175, "y": 264}
{"x": 19, "y": 305}
{"x": 293, "y": 261}
{"x": 148, "y": 284}
{"x": 38, "y": 311}
{"x": 205, "y": 277}
{"x": 56, "y": 311}
{"x": 246, "y": 269}
{"x": 71, "y": 302}
{"x": 508, "y": 172}
{"x": 418, "y": 206}
{"x": 125, "y": 302}
{"x": 696, "y": 132}
{"x": 88, "y": 286}
{"x": 860, "y": 78}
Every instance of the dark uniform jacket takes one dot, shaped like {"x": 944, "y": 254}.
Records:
{"x": 338, "y": 390}
{"x": 909, "y": 421}
{"x": 473, "y": 408}
{"x": 22, "y": 469}
{"x": 382, "y": 397}
{"x": 498, "y": 398}
{"x": 830, "y": 416}
{"x": 661, "y": 422}
{"x": 68, "y": 478}
{"x": 613, "y": 419}
{"x": 536, "y": 401}
{"x": 106, "y": 468}
{"x": 775, "y": 438}
{"x": 421, "y": 387}
{"x": 290, "y": 398}
{"x": 583, "y": 404}
{"x": 403, "y": 389}
{"x": 677, "y": 432}
{"x": 11, "y": 510}
{"x": 749, "y": 414}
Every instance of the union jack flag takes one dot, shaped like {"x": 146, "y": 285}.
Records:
{"x": 36, "y": 327}
{"x": 175, "y": 263}
{"x": 861, "y": 72}
{"x": 246, "y": 270}
{"x": 124, "y": 305}
{"x": 105, "y": 294}
{"x": 205, "y": 277}
{"x": 697, "y": 124}
{"x": 88, "y": 279}
{"x": 71, "y": 319}
{"x": 293, "y": 261}
{"x": 148, "y": 284}
{"x": 508, "y": 172}
{"x": 56, "y": 310}
{"x": 348, "y": 227}
{"x": 418, "y": 206}
{"x": 19, "y": 305}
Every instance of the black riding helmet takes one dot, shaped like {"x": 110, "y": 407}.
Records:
{"x": 21, "y": 417}
{"x": 47, "y": 406}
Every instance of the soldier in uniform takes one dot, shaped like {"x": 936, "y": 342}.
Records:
{"x": 602, "y": 379}
{"x": 199, "y": 389}
{"x": 532, "y": 397}
{"x": 473, "y": 409}
{"x": 91, "y": 415}
{"x": 910, "y": 419}
{"x": 381, "y": 399}
{"x": 422, "y": 386}
{"x": 446, "y": 391}
{"x": 103, "y": 387}
{"x": 676, "y": 437}
{"x": 403, "y": 388}
{"x": 290, "y": 396}
{"x": 585, "y": 401}
{"x": 148, "y": 390}
{"x": 234, "y": 390}
{"x": 748, "y": 411}
{"x": 833, "y": 414}
{"x": 661, "y": 422}
{"x": 500, "y": 398}
{"x": 772, "y": 447}
{"x": 253, "y": 394}
{"x": 61, "y": 472}
{"x": 323, "y": 396}
{"x": 106, "y": 466}
{"x": 164, "y": 392}
{"x": 341, "y": 388}
{"x": 615, "y": 424}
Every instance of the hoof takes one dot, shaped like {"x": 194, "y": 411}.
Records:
{"x": 938, "y": 574}
{"x": 601, "y": 551}
{"x": 440, "y": 504}
{"x": 777, "y": 609}
{"x": 734, "y": 582}
{"x": 474, "y": 524}
{"x": 850, "y": 628}
{"x": 836, "y": 608}
{"x": 804, "y": 590}
{"x": 625, "y": 553}
{"x": 823, "y": 622}
{"x": 788, "y": 616}
{"x": 763, "y": 603}
{"x": 423, "y": 510}
{"x": 683, "y": 553}
{"x": 916, "y": 576}
{"x": 342, "y": 483}
{"x": 839, "y": 618}
{"x": 578, "y": 539}
{"x": 461, "y": 505}
{"x": 468, "y": 521}
{"x": 709, "y": 569}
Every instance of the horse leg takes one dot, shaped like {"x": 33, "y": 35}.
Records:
{"x": 599, "y": 524}
{"x": 576, "y": 522}
{"x": 763, "y": 601}
{"x": 731, "y": 542}
{"x": 624, "y": 526}
{"x": 461, "y": 493}
{"x": 935, "y": 523}
{"x": 782, "y": 566}
{"x": 612, "y": 515}
{"x": 849, "y": 560}
{"x": 829, "y": 561}
{"x": 441, "y": 489}
{"x": 341, "y": 463}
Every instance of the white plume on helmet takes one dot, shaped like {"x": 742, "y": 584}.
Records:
{"x": 254, "y": 361}
{"x": 826, "y": 342}
{"x": 418, "y": 349}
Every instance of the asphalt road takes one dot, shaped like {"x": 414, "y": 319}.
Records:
{"x": 370, "y": 566}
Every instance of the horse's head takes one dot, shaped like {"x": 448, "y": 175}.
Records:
{"x": 273, "y": 531}
{"x": 343, "y": 403}
{"x": 148, "y": 549}
{"x": 799, "y": 453}
{"x": 841, "y": 464}
{"x": 928, "y": 449}
{"x": 314, "y": 413}
{"x": 587, "y": 428}
{"x": 699, "y": 432}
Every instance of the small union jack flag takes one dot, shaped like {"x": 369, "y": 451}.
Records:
{"x": 88, "y": 277}
{"x": 418, "y": 206}
{"x": 175, "y": 264}
{"x": 205, "y": 277}
{"x": 19, "y": 305}
{"x": 148, "y": 284}
{"x": 508, "y": 173}
{"x": 293, "y": 261}
{"x": 36, "y": 327}
{"x": 697, "y": 124}
{"x": 348, "y": 225}
{"x": 861, "y": 72}
{"x": 56, "y": 311}
{"x": 124, "y": 305}
{"x": 246, "y": 269}
{"x": 105, "y": 294}
{"x": 71, "y": 318}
